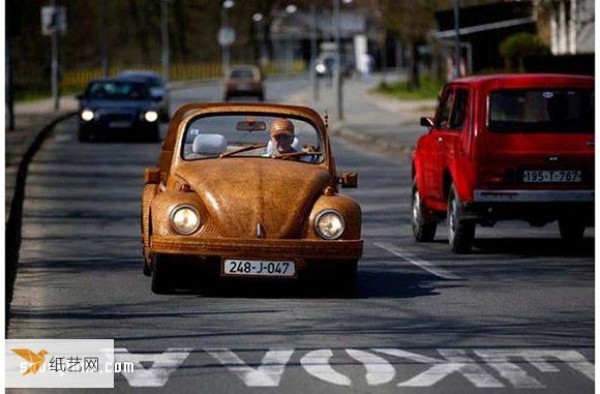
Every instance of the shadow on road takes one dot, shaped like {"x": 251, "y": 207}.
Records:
{"x": 531, "y": 247}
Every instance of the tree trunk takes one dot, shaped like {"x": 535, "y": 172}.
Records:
{"x": 414, "y": 79}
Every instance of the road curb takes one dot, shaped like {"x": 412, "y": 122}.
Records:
{"x": 381, "y": 144}
{"x": 15, "y": 214}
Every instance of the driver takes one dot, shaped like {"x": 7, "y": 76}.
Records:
{"x": 282, "y": 136}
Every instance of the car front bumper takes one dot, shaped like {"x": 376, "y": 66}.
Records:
{"x": 258, "y": 248}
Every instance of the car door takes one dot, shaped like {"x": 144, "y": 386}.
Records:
{"x": 434, "y": 166}
{"x": 455, "y": 140}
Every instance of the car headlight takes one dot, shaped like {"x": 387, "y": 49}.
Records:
{"x": 151, "y": 116}
{"x": 321, "y": 68}
{"x": 87, "y": 115}
{"x": 329, "y": 224}
{"x": 185, "y": 219}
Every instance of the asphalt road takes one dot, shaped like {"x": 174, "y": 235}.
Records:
{"x": 516, "y": 314}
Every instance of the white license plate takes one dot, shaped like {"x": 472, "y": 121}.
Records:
{"x": 559, "y": 176}
{"x": 259, "y": 268}
{"x": 119, "y": 125}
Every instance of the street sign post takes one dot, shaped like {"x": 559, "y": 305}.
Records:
{"x": 54, "y": 22}
{"x": 54, "y": 18}
{"x": 225, "y": 38}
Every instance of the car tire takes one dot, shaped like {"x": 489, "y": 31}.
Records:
{"x": 162, "y": 278}
{"x": 346, "y": 279}
{"x": 261, "y": 97}
{"x": 461, "y": 233}
{"x": 571, "y": 230}
{"x": 423, "y": 226}
{"x": 83, "y": 136}
{"x": 146, "y": 270}
{"x": 226, "y": 97}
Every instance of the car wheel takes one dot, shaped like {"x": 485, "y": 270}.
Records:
{"x": 461, "y": 233}
{"x": 83, "y": 136}
{"x": 162, "y": 278}
{"x": 261, "y": 97}
{"x": 226, "y": 97}
{"x": 154, "y": 135}
{"x": 423, "y": 226}
{"x": 146, "y": 270}
{"x": 571, "y": 230}
{"x": 345, "y": 279}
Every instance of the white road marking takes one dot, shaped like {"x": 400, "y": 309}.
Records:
{"x": 316, "y": 363}
{"x": 379, "y": 370}
{"x": 499, "y": 360}
{"x": 268, "y": 374}
{"x": 456, "y": 361}
{"x": 424, "y": 264}
{"x": 163, "y": 365}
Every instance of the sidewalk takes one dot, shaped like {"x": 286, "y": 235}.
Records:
{"x": 391, "y": 125}
{"x": 30, "y": 119}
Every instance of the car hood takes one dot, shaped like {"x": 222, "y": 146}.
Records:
{"x": 117, "y": 106}
{"x": 243, "y": 194}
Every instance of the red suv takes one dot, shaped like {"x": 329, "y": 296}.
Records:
{"x": 506, "y": 147}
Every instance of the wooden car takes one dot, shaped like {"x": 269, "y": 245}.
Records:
{"x": 228, "y": 199}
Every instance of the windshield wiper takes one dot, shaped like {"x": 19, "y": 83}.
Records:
{"x": 243, "y": 149}
{"x": 286, "y": 156}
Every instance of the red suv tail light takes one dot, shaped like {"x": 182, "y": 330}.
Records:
{"x": 495, "y": 174}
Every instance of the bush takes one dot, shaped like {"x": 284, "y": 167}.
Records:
{"x": 518, "y": 46}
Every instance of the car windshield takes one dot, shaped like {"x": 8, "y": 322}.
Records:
{"x": 553, "y": 110}
{"x": 247, "y": 135}
{"x": 117, "y": 90}
{"x": 242, "y": 74}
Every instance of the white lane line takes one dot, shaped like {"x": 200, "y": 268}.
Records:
{"x": 411, "y": 258}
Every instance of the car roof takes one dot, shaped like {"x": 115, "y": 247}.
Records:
{"x": 115, "y": 79}
{"x": 142, "y": 73}
{"x": 525, "y": 80}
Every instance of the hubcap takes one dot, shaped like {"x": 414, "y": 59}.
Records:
{"x": 416, "y": 208}
{"x": 452, "y": 219}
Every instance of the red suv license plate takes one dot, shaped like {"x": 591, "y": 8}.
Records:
{"x": 555, "y": 176}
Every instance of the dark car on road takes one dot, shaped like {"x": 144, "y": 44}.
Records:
{"x": 244, "y": 80}
{"x": 158, "y": 90}
{"x": 114, "y": 107}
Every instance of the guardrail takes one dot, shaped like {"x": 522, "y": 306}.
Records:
{"x": 73, "y": 80}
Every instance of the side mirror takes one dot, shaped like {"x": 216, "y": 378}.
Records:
{"x": 349, "y": 180}
{"x": 152, "y": 176}
{"x": 426, "y": 122}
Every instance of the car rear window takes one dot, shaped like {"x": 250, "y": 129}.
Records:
{"x": 242, "y": 74}
{"x": 235, "y": 132}
{"x": 553, "y": 110}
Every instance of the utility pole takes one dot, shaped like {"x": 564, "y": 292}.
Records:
{"x": 105, "y": 64}
{"x": 338, "y": 69}
{"x": 164, "y": 24}
{"x": 313, "y": 51}
{"x": 456, "y": 41}
{"x": 9, "y": 86}
{"x": 56, "y": 22}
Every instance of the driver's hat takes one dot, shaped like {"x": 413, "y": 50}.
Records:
{"x": 282, "y": 126}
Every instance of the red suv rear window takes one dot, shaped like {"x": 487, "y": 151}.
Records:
{"x": 558, "y": 110}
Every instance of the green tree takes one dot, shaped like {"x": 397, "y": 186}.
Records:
{"x": 518, "y": 46}
{"x": 412, "y": 20}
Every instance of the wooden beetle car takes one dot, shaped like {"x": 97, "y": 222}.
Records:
{"x": 225, "y": 202}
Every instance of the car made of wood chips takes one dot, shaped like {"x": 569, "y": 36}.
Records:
{"x": 224, "y": 202}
